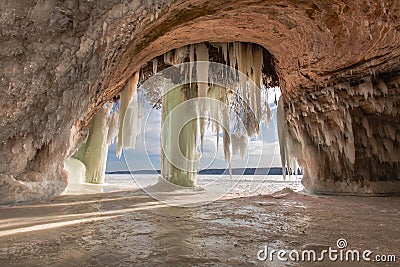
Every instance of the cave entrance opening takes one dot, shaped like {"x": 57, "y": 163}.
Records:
{"x": 223, "y": 94}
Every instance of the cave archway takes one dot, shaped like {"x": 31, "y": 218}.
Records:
{"x": 338, "y": 65}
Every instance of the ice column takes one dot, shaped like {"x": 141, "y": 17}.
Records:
{"x": 179, "y": 156}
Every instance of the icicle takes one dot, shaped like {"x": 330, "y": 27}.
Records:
{"x": 226, "y": 129}
{"x": 113, "y": 128}
{"x": 267, "y": 114}
{"x": 132, "y": 123}
{"x": 245, "y": 59}
{"x": 168, "y": 58}
{"x": 155, "y": 65}
{"x": 202, "y": 72}
{"x": 240, "y": 52}
{"x": 232, "y": 57}
{"x": 240, "y": 143}
{"x": 225, "y": 52}
{"x": 244, "y": 144}
{"x": 213, "y": 108}
{"x": 366, "y": 88}
{"x": 254, "y": 99}
{"x": 281, "y": 135}
{"x": 253, "y": 90}
{"x": 287, "y": 158}
{"x": 202, "y": 83}
{"x": 257, "y": 69}
{"x": 216, "y": 108}
{"x": 180, "y": 55}
{"x": 176, "y": 56}
{"x": 126, "y": 98}
{"x": 191, "y": 60}
{"x": 383, "y": 87}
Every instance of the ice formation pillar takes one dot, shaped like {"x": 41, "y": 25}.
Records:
{"x": 179, "y": 131}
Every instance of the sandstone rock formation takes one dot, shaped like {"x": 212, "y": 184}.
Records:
{"x": 338, "y": 63}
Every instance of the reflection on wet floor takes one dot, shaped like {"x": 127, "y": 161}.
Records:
{"x": 130, "y": 228}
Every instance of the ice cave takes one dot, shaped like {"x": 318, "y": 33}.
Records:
{"x": 310, "y": 87}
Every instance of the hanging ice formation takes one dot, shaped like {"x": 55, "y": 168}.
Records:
{"x": 129, "y": 115}
{"x": 266, "y": 113}
{"x": 132, "y": 123}
{"x": 288, "y": 160}
{"x": 235, "y": 110}
{"x": 90, "y": 159}
{"x": 104, "y": 128}
{"x": 179, "y": 156}
{"x": 113, "y": 128}
{"x": 213, "y": 105}
{"x": 202, "y": 83}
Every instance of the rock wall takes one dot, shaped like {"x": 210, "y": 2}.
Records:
{"x": 54, "y": 55}
{"x": 61, "y": 60}
{"x": 347, "y": 136}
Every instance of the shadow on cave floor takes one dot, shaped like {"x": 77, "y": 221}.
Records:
{"x": 130, "y": 228}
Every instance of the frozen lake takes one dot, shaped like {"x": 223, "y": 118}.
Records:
{"x": 211, "y": 187}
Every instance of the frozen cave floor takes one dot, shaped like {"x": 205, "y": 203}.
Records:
{"x": 129, "y": 228}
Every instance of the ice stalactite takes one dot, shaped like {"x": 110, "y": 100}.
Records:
{"x": 219, "y": 115}
{"x": 126, "y": 98}
{"x": 266, "y": 113}
{"x": 113, "y": 128}
{"x": 155, "y": 65}
{"x": 202, "y": 83}
{"x": 257, "y": 75}
{"x": 215, "y": 108}
{"x": 179, "y": 157}
{"x": 344, "y": 146}
{"x": 249, "y": 62}
{"x": 226, "y": 128}
{"x": 225, "y": 51}
{"x": 104, "y": 128}
{"x": 243, "y": 80}
{"x": 191, "y": 60}
{"x": 132, "y": 123}
{"x": 202, "y": 72}
{"x": 176, "y": 57}
{"x": 288, "y": 160}
{"x": 240, "y": 143}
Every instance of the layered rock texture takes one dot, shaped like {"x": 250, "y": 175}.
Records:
{"x": 338, "y": 64}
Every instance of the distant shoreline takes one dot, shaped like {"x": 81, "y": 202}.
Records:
{"x": 235, "y": 171}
